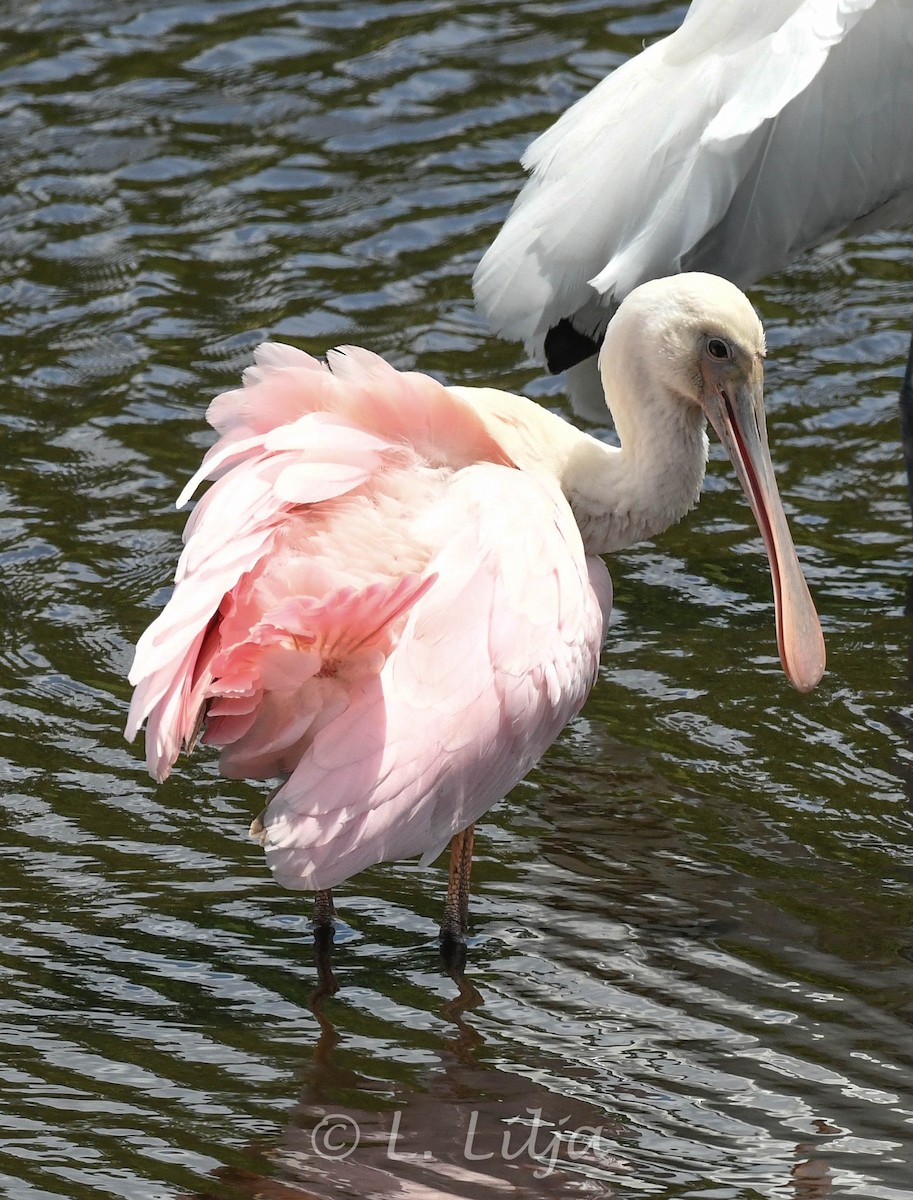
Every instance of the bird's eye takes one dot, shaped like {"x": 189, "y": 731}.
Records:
{"x": 717, "y": 348}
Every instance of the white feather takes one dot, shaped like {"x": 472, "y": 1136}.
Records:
{"x": 752, "y": 133}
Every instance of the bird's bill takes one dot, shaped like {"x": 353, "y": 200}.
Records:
{"x": 737, "y": 415}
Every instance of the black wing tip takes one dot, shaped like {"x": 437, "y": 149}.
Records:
{"x": 566, "y": 346}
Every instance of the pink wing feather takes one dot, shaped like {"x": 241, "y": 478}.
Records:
{"x": 374, "y": 605}
{"x": 493, "y": 662}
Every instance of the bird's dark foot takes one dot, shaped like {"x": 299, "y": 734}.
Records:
{"x": 324, "y": 912}
{"x": 453, "y": 953}
{"x": 327, "y": 984}
{"x": 456, "y": 908}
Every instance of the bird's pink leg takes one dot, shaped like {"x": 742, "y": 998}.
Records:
{"x": 456, "y": 909}
{"x": 324, "y": 911}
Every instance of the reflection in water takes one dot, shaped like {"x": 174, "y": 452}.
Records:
{"x": 472, "y": 1132}
{"x": 812, "y": 1178}
{"x": 692, "y": 924}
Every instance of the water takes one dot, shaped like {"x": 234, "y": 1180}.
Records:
{"x": 691, "y": 964}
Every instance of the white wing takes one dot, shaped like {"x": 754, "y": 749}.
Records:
{"x": 750, "y": 134}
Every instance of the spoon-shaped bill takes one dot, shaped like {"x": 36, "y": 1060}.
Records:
{"x": 737, "y": 415}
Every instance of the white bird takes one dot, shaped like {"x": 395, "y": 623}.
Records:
{"x": 752, "y": 133}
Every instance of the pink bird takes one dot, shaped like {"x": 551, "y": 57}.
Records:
{"x": 391, "y": 599}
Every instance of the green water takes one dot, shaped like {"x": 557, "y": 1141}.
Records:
{"x": 692, "y": 942}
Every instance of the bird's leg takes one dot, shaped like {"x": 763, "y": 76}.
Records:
{"x": 324, "y": 911}
{"x": 456, "y": 909}
{"x": 906, "y": 423}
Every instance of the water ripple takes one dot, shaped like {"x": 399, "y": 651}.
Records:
{"x": 692, "y": 953}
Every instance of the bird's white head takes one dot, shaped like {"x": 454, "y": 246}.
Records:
{"x": 697, "y": 331}
{"x": 695, "y": 339}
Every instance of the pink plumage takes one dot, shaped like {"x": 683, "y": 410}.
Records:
{"x": 375, "y": 606}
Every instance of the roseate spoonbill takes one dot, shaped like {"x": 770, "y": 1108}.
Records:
{"x": 750, "y": 134}
{"x": 391, "y": 598}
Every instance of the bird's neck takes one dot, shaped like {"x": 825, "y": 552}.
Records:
{"x": 618, "y": 496}
{"x": 623, "y": 496}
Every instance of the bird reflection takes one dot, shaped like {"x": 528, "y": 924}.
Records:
{"x": 812, "y": 1178}
{"x": 471, "y": 1130}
